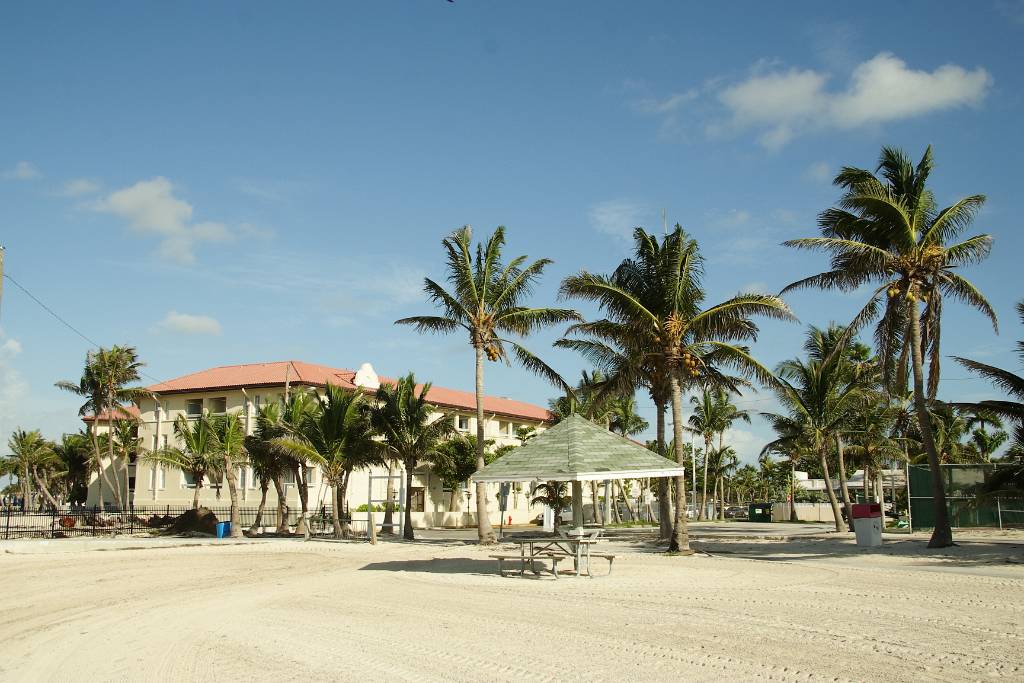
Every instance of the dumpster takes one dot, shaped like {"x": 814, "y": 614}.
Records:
{"x": 223, "y": 529}
{"x": 867, "y": 523}
{"x": 760, "y": 512}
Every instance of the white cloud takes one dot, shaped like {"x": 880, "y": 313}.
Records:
{"x": 819, "y": 172}
{"x": 782, "y": 104}
{"x": 151, "y": 208}
{"x": 779, "y": 104}
{"x": 618, "y": 217}
{"x": 80, "y": 187}
{"x": 23, "y": 170}
{"x": 185, "y": 323}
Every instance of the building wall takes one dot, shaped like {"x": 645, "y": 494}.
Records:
{"x": 157, "y": 486}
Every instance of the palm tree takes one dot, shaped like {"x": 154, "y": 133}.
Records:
{"x": 268, "y": 463}
{"x": 624, "y": 418}
{"x": 229, "y": 446}
{"x": 1011, "y": 408}
{"x": 197, "y": 457}
{"x": 791, "y": 443}
{"x": 705, "y": 422}
{"x": 456, "y": 464}
{"x": 336, "y": 434}
{"x": 103, "y": 384}
{"x": 298, "y": 404}
{"x": 30, "y": 458}
{"x": 487, "y": 301}
{"x": 555, "y": 495}
{"x": 73, "y": 451}
{"x": 653, "y": 300}
{"x": 621, "y": 354}
{"x": 403, "y": 418}
{"x": 887, "y": 233}
{"x": 818, "y": 395}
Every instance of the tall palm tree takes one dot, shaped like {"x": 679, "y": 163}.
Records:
{"x": 336, "y": 434}
{"x": 197, "y": 456}
{"x": 403, "y": 418}
{"x": 728, "y": 414}
{"x": 654, "y": 299}
{"x": 296, "y": 408}
{"x": 30, "y": 458}
{"x": 104, "y": 383}
{"x": 888, "y": 233}
{"x": 229, "y": 446}
{"x": 487, "y": 301}
{"x": 624, "y": 418}
{"x": 704, "y": 421}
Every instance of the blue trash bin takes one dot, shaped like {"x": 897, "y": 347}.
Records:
{"x": 223, "y": 529}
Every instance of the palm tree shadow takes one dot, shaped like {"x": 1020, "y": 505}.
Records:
{"x": 437, "y": 565}
{"x": 967, "y": 554}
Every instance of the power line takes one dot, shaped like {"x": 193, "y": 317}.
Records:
{"x": 65, "y": 323}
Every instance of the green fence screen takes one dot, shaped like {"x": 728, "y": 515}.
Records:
{"x": 962, "y": 484}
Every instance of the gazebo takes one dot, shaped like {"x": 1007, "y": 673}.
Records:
{"x": 577, "y": 450}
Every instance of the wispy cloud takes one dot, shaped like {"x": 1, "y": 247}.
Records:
{"x": 151, "y": 208}
{"x": 13, "y": 388}
{"x": 23, "y": 170}
{"x": 81, "y": 187}
{"x": 819, "y": 172}
{"x": 185, "y": 323}
{"x": 618, "y": 217}
{"x": 778, "y": 104}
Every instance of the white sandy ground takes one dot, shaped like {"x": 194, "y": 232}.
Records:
{"x": 806, "y": 609}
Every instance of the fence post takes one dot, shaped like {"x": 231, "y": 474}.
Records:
{"x": 7, "y": 530}
{"x": 53, "y": 523}
{"x": 999, "y": 513}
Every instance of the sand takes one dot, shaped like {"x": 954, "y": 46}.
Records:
{"x": 806, "y": 609}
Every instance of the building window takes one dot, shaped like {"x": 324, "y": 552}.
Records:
{"x": 189, "y": 480}
{"x": 157, "y": 477}
{"x": 418, "y": 499}
{"x": 257, "y": 402}
{"x": 462, "y": 423}
{"x": 310, "y": 475}
{"x": 218, "y": 406}
{"x": 194, "y": 407}
{"x": 506, "y": 428}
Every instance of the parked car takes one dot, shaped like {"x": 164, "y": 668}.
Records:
{"x": 736, "y": 512}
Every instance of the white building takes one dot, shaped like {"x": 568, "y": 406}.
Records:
{"x": 244, "y": 388}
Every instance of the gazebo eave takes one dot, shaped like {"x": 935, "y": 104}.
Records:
{"x": 581, "y": 476}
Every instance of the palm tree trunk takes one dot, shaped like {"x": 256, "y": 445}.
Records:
{"x": 236, "y": 519}
{"x": 26, "y": 502}
{"x": 680, "y": 537}
{"x": 792, "y": 491}
{"x": 722, "y": 501}
{"x": 598, "y": 514}
{"x": 110, "y": 457}
{"x": 485, "y": 532}
{"x": 704, "y": 490}
{"x": 823, "y": 454}
{"x": 282, "y": 506}
{"x": 942, "y": 536}
{"x": 195, "y": 495}
{"x": 625, "y": 499}
{"x": 407, "y": 532}
{"x": 101, "y": 472}
{"x": 258, "y": 522}
{"x": 387, "y": 527}
{"x": 844, "y": 489}
{"x": 664, "y": 507}
{"x": 335, "y": 513}
{"x": 302, "y": 526}
{"x": 41, "y": 483}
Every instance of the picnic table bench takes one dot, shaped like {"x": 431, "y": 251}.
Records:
{"x": 523, "y": 560}
{"x": 566, "y": 544}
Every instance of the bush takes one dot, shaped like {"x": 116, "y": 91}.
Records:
{"x": 379, "y": 508}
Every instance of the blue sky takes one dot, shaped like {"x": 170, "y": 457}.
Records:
{"x": 241, "y": 182}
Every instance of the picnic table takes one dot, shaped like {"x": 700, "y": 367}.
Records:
{"x": 576, "y": 545}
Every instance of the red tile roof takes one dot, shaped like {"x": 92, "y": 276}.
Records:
{"x": 300, "y": 373}
{"x": 122, "y": 413}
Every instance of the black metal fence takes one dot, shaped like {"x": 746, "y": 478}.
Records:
{"x": 76, "y": 522}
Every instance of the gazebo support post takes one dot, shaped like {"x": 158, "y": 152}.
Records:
{"x": 607, "y": 502}
{"x": 577, "y": 504}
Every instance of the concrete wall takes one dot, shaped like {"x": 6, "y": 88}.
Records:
{"x": 805, "y": 512}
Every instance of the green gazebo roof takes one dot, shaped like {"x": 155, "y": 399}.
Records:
{"x": 576, "y": 449}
